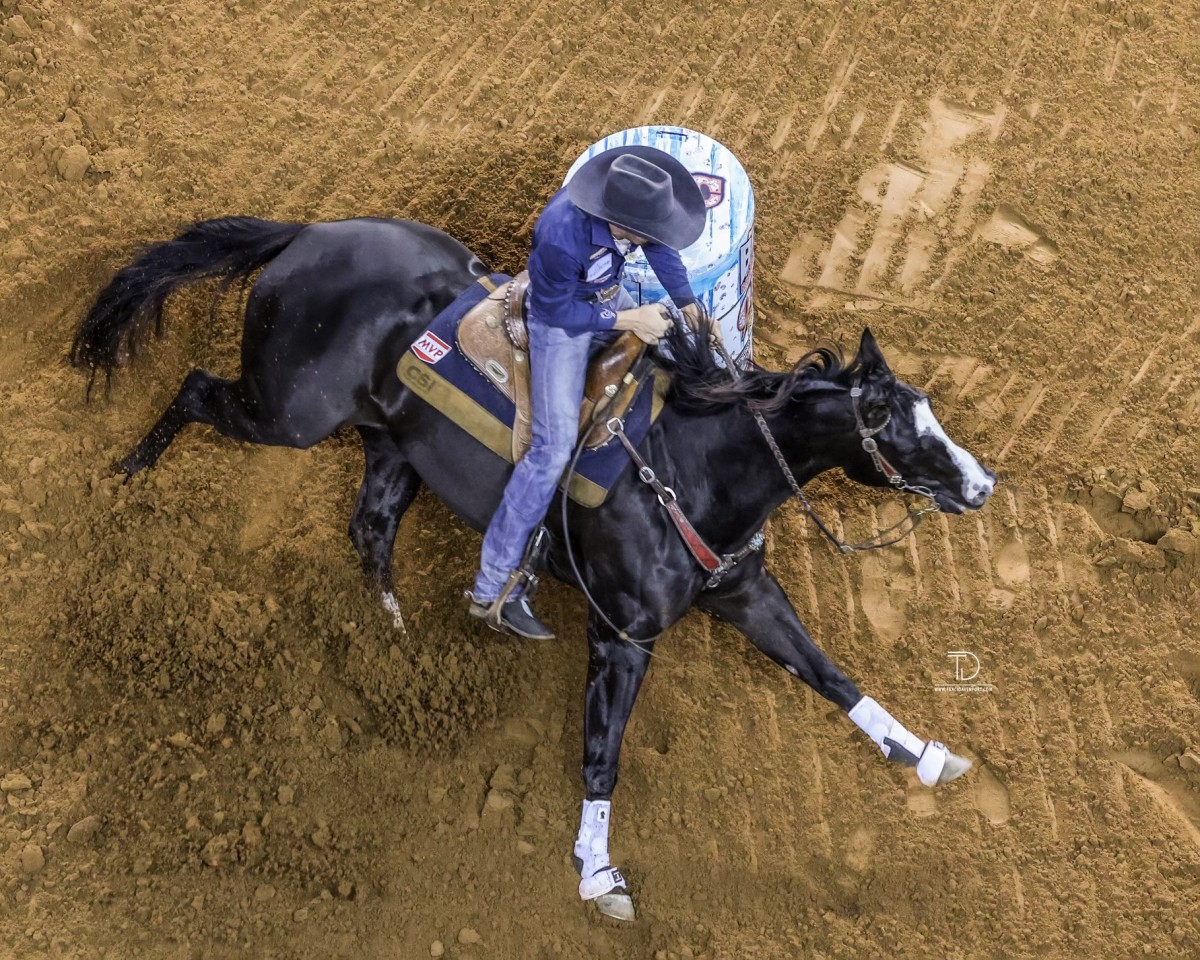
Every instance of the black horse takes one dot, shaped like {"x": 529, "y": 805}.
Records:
{"x": 327, "y": 319}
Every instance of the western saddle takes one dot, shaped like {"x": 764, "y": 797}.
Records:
{"x": 494, "y": 338}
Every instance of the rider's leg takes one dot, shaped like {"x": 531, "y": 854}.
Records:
{"x": 558, "y": 366}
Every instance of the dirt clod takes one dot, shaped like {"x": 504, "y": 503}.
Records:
{"x": 83, "y": 830}
{"x": 33, "y": 859}
{"x": 15, "y": 782}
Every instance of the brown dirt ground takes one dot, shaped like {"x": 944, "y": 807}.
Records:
{"x": 228, "y": 751}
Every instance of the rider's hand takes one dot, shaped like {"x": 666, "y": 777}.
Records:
{"x": 692, "y": 314}
{"x": 649, "y": 321}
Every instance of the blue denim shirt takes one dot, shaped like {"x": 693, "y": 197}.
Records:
{"x": 574, "y": 256}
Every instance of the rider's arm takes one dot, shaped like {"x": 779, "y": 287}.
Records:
{"x": 554, "y": 274}
{"x": 671, "y": 273}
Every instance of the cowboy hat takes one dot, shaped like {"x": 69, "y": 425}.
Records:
{"x": 644, "y": 190}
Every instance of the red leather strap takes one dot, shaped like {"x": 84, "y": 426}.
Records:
{"x": 666, "y": 496}
{"x": 700, "y": 550}
{"x": 712, "y": 564}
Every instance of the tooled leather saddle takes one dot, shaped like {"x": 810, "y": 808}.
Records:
{"x": 494, "y": 338}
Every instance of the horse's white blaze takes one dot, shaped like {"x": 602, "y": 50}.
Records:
{"x": 976, "y": 483}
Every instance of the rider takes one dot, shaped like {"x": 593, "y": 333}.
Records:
{"x": 626, "y": 197}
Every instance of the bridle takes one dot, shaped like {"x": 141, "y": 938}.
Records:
{"x": 905, "y": 525}
{"x": 719, "y": 565}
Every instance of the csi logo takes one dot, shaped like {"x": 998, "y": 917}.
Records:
{"x": 711, "y": 187}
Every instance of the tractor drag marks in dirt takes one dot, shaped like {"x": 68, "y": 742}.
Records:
{"x": 229, "y": 748}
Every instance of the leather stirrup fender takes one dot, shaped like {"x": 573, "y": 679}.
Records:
{"x": 522, "y": 433}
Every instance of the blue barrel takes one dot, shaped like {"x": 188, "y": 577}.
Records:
{"x": 720, "y": 264}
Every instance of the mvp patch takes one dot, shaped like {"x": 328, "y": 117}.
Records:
{"x": 430, "y": 347}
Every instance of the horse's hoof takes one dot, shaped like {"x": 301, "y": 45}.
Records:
{"x": 129, "y": 465}
{"x": 955, "y": 767}
{"x": 618, "y": 905}
{"x": 615, "y": 902}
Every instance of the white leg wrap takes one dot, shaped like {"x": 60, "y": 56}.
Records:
{"x": 392, "y": 606}
{"x": 598, "y": 884}
{"x": 932, "y": 762}
{"x": 897, "y": 743}
{"x": 591, "y": 848}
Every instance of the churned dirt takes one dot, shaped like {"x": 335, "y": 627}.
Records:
{"x": 212, "y": 743}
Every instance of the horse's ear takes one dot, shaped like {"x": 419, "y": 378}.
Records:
{"x": 870, "y": 356}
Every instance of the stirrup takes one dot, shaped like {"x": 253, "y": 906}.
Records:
{"x": 493, "y": 615}
{"x": 525, "y": 573}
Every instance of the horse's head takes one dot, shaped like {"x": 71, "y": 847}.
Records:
{"x": 910, "y": 440}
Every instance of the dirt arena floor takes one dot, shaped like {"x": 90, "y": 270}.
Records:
{"x": 212, "y": 743}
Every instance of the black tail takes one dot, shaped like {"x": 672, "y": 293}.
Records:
{"x": 231, "y": 248}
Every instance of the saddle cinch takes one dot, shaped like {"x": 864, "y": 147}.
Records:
{"x": 493, "y": 337}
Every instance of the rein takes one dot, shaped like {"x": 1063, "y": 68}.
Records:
{"x": 718, "y": 565}
{"x": 565, "y": 499}
{"x": 906, "y": 524}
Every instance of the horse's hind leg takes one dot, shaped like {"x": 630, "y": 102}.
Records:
{"x": 174, "y": 419}
{"x": 388, "y": 488}
{"x": 225, "y": 405}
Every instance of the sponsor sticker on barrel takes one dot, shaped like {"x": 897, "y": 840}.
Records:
{"x": 712, "y": 188}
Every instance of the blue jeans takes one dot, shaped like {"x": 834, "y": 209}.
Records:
{"x": 557, "y": 371}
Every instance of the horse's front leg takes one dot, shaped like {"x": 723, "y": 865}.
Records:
{"x": 615, "y": 671}
{"x": 752, "y": 600}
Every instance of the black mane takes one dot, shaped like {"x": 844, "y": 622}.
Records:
{"x": 700, "y": 384}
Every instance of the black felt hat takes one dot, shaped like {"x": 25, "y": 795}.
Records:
{"x": 643, "y": 189}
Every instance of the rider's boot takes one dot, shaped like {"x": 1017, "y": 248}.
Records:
{"x": 510, "y": 614}
{"x": 510, "y": 611}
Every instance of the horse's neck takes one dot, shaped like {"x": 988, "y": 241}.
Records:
{"x": 724, "y": 457}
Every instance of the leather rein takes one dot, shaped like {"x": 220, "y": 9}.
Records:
{"x": 718, "y": 565}
{"x": 905, "y": 526}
